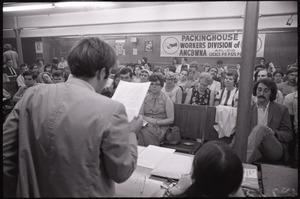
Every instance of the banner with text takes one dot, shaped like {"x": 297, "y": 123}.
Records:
{"x": 207, "y": 45}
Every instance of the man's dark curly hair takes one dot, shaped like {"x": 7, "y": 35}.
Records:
{"x": 270, "y": 84}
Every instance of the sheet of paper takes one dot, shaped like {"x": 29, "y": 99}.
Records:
{"x": 250, "y": 177}
{"x": 173, "y": 166}
{"x": 131, "y": 95}
{"x": 138, "y": 185}
{"x": 152, "y": 155}
{"x": 140, "y": 149}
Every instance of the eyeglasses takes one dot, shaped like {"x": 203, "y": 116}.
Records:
{"x": 155, "y": 84}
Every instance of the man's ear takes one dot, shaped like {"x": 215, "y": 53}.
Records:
{"x": 101, "y": 73}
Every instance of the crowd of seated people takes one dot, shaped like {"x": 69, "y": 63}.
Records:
{"x": 28, "y": 75}
{"x": 183, "y": 83}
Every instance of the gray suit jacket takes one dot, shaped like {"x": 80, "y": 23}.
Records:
{"x": 279, "y": 121}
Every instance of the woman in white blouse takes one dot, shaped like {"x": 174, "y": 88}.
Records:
{"x": 228, "y": 96}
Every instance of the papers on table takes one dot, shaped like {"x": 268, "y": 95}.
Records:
{"x": 140, "y": 149}
{"x": 132, "y": 96}
{"x": 173, "y": 166}
{"x": 250, "y": 177}
{"x": 138, "y": 185}
{"x": 152, "y": 155}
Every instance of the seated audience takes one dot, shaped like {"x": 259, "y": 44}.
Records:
{"x": 171, "y": 68}
{"x": 67, "y": 73}
{"x": 171, "y": 89}
{"x": 48, "y": 68}
{"x": 139, "y": 62}
{"x": 158, "y": 69}
{"x": 183, "y": 65}
{"x": 131, "y": 66}
{"x": 190, "y": 82}
{"x": 110, "y": 79}
{"x": 215, "y": 86}
{"x": 290, "y": 85}
{"x": 148, "y": 66}
{"x": 157, "y": 111}
{"x": 217, "y": 172}
{"x": 45, "y": 78}
{"x": 206, "y": 67}
{"x": 20, "y": 79}
{"x": 262, "y": 61}
{"x": 40, "y": 63}
{"x": 182, "y": 83}
{"x": 175, "y": 62}
{"x": 7, "y": 103}
{"x": 262, "y": 74}
{"x": 34, "y": 67}
{"x": 136, "y": 73}
{"x": 201, "y": 94}
{"x": 126, "y": 74}
{"x": 9, "y": 69}
{"x": 58, "y": 77}
{"x": 277, "y": 76}
{"x": 145, "y": 75}
{"x": 270, "y": 67}
{"x": 5, "y": 78}
{"x": 194, "y": 66}
{"x": 259, "y": 67}
{"x": 114, "y": 85}
{"x": 228, "y": 96}
{"x": 270, "y": 125}
{"x": 144, "y": 61}
{"x": 30, "y": 80}
{"x": 291, "y": 102}
{"x": 63, "y": 63}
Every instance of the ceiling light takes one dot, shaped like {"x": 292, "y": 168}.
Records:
{"x": 82, "y": 4}
{"x": 28, "y": 7}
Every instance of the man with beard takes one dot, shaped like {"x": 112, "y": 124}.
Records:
{"x": 270, "y": 125}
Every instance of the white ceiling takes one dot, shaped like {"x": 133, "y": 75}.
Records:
{"x": 59, "y": 10}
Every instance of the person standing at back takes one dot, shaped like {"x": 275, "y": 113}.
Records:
{"x": 10, "y": 54}
{"x": 67, "y": 140}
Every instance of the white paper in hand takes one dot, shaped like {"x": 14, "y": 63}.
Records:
{"x": 131, "y": 95}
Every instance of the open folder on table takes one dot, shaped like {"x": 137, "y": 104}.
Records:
{"x": 173, "y": 166}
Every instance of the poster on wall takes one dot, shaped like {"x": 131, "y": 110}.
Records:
{"x": 148, "y": 46}
{"x": 134, "y": 51}
{"x": 38, "y": 47}
{"x": 120, "y": 47}
{"x": 206, "y": 45}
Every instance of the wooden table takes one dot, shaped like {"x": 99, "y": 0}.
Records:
{"x": 278, "y": 176}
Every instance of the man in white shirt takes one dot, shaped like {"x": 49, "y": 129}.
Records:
{"x": 270, "y": 125}
{"x": 184, "y": 65}
{"x": 20, "y": 79}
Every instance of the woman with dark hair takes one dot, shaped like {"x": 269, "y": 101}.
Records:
{"x": 40, "y": 63}
{"x": 175, "y": 62}
{"x": 136, "y": 73}
{"x": 157, "y": 111}
{"x": 217, "y": 172}
{"x": 228, "y": 95}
